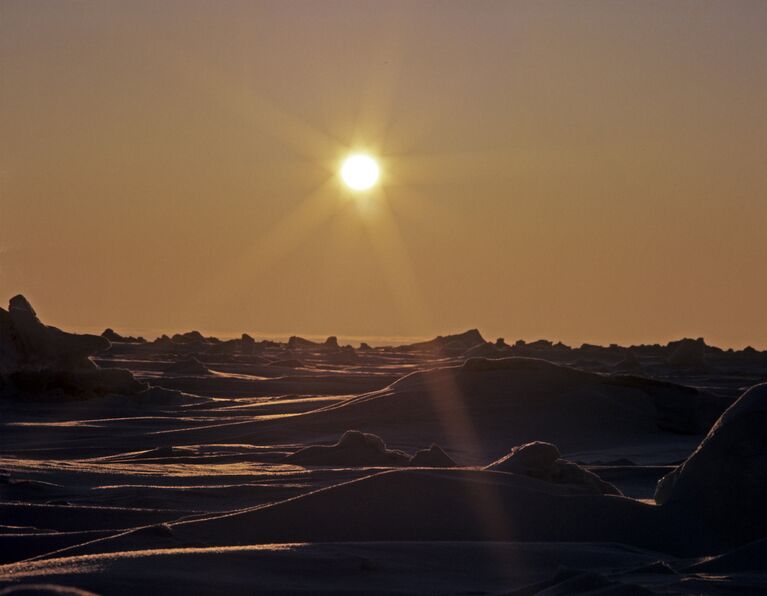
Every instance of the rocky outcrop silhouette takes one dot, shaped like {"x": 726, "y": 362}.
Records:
{"x": 456, "y": 343}
{"x": 298, "y": 343}
{"x": 247, "y": 344}
{"x": 42, "y": 361}
{"x": 688, "y": 354}
{"x": 189, "y": 337}
{"x": 115, "y": 337}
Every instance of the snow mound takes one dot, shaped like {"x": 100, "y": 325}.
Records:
{"x": 543, "y": 461}
{"x": 354, "y": 448}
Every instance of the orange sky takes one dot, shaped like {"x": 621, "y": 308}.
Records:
{"x": 584, "y": 171}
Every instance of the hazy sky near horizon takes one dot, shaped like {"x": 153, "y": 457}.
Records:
{"x": 576, "y": 170}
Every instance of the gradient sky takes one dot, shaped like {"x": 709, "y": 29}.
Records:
{"x": 583, "y": 171}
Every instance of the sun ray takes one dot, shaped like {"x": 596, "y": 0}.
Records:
{"x": 241, "y": 271}
{"x": 447, "y": 396}
{"x": 374, "y": 118}
{"x": 387, "y": 244}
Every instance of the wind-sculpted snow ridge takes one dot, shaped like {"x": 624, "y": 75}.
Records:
{"x": 710, "y": 503}
{"x": 241, "y": 483}
{"x": 514, "y": 569}
{"x": 188, "y": 366}
{"x": 724, "y": 481}
{"x": 483, "y": 406}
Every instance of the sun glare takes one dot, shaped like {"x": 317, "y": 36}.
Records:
{"x": 360, "y": 172}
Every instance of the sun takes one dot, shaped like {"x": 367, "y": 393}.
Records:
{"x": 360, "y": 172}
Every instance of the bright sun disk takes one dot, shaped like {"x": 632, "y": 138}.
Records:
{"x": 360, "y": 172}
